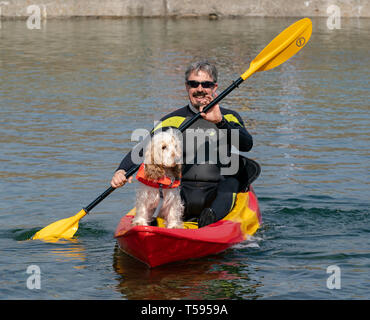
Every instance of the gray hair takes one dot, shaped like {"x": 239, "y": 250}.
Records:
{"x": 202, "y": 65}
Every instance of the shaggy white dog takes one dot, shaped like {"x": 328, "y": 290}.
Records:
{"x": 162, "y": 164}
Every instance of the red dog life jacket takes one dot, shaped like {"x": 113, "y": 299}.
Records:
{"x": 164, "y": 182}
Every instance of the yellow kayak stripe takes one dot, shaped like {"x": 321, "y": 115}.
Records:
{"x": 242, "y": 214}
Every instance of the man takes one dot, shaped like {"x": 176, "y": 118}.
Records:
{"x": 207, "y": 193}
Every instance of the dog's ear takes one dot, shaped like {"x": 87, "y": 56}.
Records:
{"x": 154, "y": 171}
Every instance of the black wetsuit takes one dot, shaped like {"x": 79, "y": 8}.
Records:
{"x": 203, "y": 185}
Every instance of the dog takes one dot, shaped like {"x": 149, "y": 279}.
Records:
{"x": 160, "y": 179}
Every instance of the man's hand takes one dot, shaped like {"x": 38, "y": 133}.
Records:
{"x": 214, "y": 115}
{"x": 119, "y": 179}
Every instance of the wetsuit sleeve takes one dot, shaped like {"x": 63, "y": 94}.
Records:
{"x": 234, "y": 121}
{"x": 127, "y": 163}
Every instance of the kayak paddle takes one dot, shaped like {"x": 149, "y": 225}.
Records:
{"x": 279, "y": 50}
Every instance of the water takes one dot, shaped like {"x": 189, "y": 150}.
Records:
{"x": 72, "y": 93}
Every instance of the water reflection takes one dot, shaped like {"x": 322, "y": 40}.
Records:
{"x": 67, "y": 252}
{"x": 193, "y": 279}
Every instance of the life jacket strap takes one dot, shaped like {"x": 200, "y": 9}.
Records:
{"x": 160, "y": 204}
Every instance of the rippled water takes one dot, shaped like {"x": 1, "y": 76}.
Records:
{"x": 72, "y": 93}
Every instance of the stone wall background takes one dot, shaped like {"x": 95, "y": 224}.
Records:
{"x": 183, "y": 8}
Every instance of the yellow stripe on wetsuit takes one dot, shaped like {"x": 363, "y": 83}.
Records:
{"x": 176, "y": 121}
{"x": 231, "y": 118}
{"x": 170, "y": 122}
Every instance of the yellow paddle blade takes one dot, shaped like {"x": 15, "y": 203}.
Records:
{"x": 281, "y": 48}
{"x": 62, "y": 229}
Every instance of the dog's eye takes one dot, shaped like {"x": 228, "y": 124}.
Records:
{"x": 164, "y": 147}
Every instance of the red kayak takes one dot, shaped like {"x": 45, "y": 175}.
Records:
{"x": 158, "y": 245}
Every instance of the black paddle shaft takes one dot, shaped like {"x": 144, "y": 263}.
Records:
{"x": 182, "y": 128}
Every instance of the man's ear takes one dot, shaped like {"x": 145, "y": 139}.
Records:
{"x": 214, "y": 90}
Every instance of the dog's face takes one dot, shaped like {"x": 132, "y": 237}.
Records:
{"x": 166, "y": 149}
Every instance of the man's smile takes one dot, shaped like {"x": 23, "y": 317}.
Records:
{"x": 199, "y": 94}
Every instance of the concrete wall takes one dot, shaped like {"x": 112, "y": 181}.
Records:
{"x": 183, "y": 8}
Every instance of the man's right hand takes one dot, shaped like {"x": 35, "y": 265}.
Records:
{"x": 119, "y": 179}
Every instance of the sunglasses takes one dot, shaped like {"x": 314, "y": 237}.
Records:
{"x": 204, "y": 84}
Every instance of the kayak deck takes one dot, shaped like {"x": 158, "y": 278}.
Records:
{"x": 157, "y": 245}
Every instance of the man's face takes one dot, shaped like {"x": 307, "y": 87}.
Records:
{"x": 200, "y": 96}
